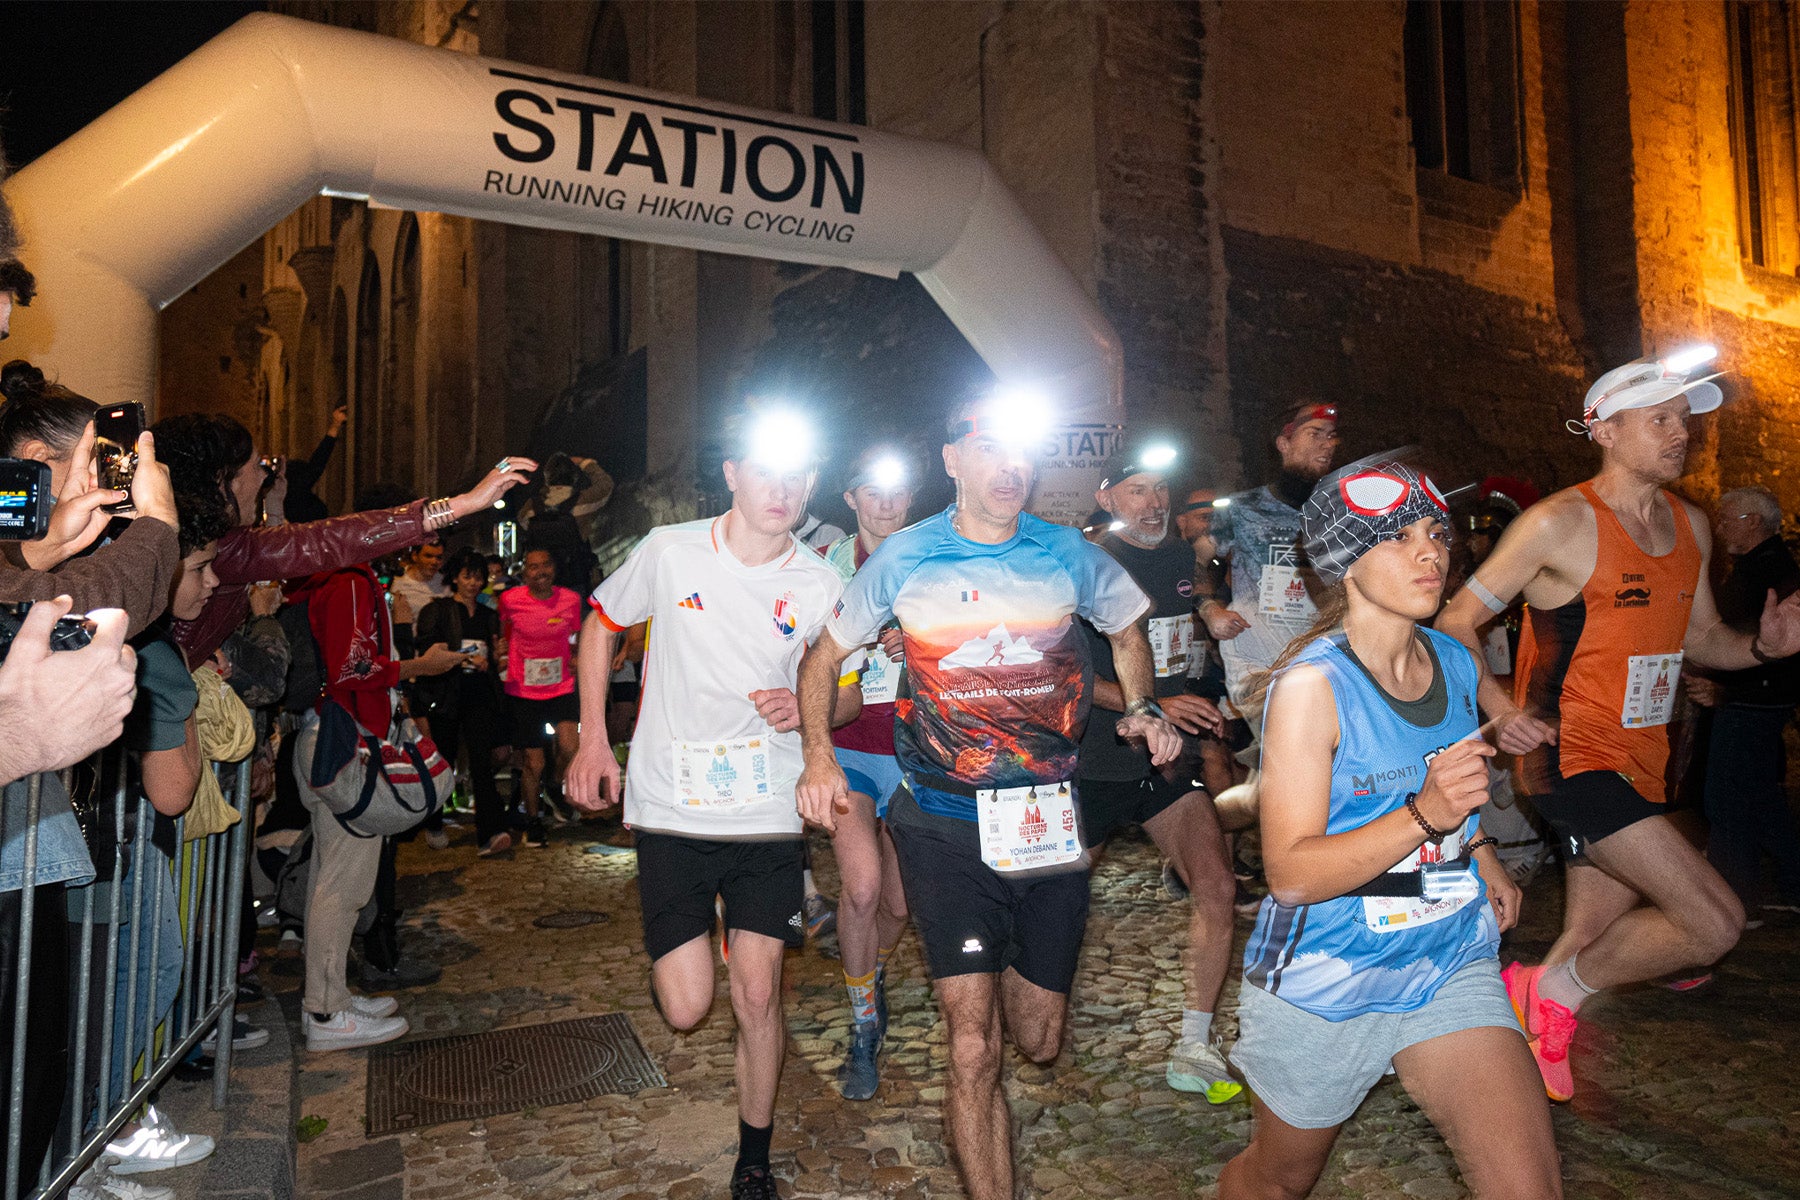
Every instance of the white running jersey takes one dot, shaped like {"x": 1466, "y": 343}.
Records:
{"x": 703, "y": 763}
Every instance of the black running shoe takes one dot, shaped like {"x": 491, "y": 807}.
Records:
{"x": 753, "y": 1183}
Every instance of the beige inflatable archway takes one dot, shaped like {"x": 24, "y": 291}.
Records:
{"x": 155, "y": 195}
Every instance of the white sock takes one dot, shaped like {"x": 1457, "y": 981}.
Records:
{"x": 1196, "y": 1026}
{"x": 1563, "y": 986}
{"x": 812, "y": 889}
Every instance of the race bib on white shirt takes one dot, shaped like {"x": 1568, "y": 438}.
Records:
{"x": 1650, "y": 685}
{"x": 1027, "y": 828}
{"x": 543, "y": 672}
{"x": 721, "y": 775}
{"x": 1171, "y": 641}
{"x": 1281, "y": 593}
{"x": 1447, "y": 891}
{"x": 1496, "y": 651}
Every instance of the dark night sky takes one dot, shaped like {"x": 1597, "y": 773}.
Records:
{"x": 64, "y": 62}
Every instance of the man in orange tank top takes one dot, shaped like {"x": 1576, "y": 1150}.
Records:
{"x": 1613, "y": 572}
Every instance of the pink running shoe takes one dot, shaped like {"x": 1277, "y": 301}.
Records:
{"x": 1554, "y": 1029}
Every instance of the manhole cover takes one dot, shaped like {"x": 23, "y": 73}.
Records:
{"x": 572, "y": 919}
{"x": 478, "y": 1075}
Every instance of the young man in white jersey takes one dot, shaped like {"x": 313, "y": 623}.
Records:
{"x": 986, "y": 827}
{"x": 734, "y": 601}
{"x": 871, "y": 902}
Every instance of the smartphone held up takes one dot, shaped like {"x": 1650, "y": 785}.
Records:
{"x": 116, "y": 430}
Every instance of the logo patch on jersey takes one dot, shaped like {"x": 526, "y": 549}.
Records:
{"x": 998, "y": 649}
{"x": 692, "y": 602}
{"x": 1632, "y": 598}
{"x": 838, "y": 609}
{"x": 1362, "y": 785}
{"x": 970, "y": 597}
{"x": 787, "y": 623}
{"x": 1184, "y": 587}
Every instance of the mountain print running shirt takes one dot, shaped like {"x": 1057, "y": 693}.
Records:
{"x": 997, "y": 671}
{"x": 1261, "y": 533}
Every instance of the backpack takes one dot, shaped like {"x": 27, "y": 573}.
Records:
{"x": 306, "y": 668}
{"x": 293, "y": 882}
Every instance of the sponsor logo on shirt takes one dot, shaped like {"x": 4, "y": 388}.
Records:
{"x": 1184, "y": 587}
{"x": 1632, "y": 598}
{"x": 1362, "y": 785}
{"x": 692, "y": 602}
{"x": 786, "y": 622}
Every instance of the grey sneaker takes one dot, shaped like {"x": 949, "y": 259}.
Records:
{"x": 859, "y": 1077}
{"x": 1200, "y": 1068}
{"x": 821, "y": 916}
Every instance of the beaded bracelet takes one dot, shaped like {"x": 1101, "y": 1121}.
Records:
{"x": 1431, "y": 835}
{"x": 1478, "y": 843}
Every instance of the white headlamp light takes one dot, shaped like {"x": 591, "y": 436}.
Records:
{"x": 781, "y": 440}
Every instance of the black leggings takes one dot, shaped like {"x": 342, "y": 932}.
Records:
{"x": 475, "y": 729}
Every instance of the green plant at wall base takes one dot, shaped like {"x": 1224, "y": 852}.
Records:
{"x": 310, "y": 1127}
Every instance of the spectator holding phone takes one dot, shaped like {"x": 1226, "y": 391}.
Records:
{"x": 48, "y": 423}
{"x": 207, "y": 453}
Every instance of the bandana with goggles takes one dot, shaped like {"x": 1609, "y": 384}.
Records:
{"x": 1357, "y": 508}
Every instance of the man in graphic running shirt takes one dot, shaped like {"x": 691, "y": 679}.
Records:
{"x": 1119, "y": 787}
{"x": 733, "y": 602}
{"x": 987, "y": 828}
{"x": 1614, "y": 575}
{"x": 871, "y": 910}
{"x": 1258, "y": 537}
{"x": 539, "y": 623}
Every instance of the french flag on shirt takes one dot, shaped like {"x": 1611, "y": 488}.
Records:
{"x": 970, "y": 596}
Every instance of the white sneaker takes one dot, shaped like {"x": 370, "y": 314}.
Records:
{"x": 244, "y": 1036}
{"x": 349, "y": 1029}
{"x": 374, "y": 1006}
{"x": 156, "y": 1146}
{"x": 437, "y": 839}
{"x": 97, "y": 1185}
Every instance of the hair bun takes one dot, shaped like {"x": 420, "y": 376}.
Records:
{"x": 19, "y": 379}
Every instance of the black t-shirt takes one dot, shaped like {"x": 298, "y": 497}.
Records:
{"x": 446, "y": 620}
{"x": 1166, "y": 573}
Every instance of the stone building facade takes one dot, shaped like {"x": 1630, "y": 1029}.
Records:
{"x": 1445, "y": 217}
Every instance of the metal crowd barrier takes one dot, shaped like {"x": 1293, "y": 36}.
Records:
{"x": 208, "y": 882}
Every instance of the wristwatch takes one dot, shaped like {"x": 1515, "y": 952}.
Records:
{"x": 1143, "y": 706}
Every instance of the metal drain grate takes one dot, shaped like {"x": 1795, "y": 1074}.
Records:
{"x": 416, "y": 1084}
{"x": 572, "y": 919}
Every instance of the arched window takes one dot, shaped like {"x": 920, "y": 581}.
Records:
{"x": 367, "y": 405}
{"x": 400, "y": 413}
{"x": 602, "y": 265}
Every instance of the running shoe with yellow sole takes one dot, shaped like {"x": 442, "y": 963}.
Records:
{"x": 1549, "y": 1029}
{"x": 1200, "y": 1068}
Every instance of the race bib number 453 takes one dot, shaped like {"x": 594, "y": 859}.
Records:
{"x": 1028, "y": 828}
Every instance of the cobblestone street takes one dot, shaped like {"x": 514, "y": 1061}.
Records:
{"x": 1679, "y": 1095}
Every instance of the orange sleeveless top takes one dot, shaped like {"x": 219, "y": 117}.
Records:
{"x": 1607, "y": 663}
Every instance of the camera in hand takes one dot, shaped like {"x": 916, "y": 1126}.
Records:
{"x": 69, "y": 633}
{"x": 116, "y": 430}
{"x": 25, "y": 499}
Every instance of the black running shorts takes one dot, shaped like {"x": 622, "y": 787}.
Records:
{"x": 975, "y": 921}
{"x": 1591, "y": 805}
{"x": 1107, "y": 806}
{"x": 679, "y": 877}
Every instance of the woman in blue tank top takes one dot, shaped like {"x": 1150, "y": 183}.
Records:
{"x": 1376, "y": 949}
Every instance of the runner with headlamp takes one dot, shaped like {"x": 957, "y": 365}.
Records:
{"x": 871, "y": 901}
{"x": 734, "y": 601}
{"x": 1118, "y": 785}
{"x": 1375, "y": 949}
{"x": 1614, "y": 575}
{"x": 987, "y": 730}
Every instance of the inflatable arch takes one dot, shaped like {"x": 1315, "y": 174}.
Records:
{"x": 164, "y": 188}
